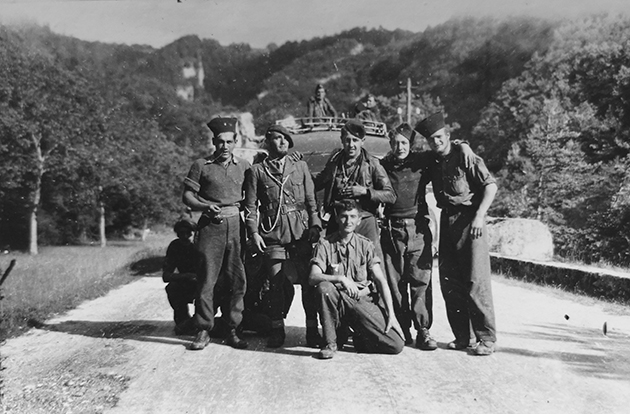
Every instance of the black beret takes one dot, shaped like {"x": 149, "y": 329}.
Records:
{"x": 220, "y": 125}
{"x": 184, "y": 224}
{"x": 282, "y": 130}
{"x": 355, "y": 128}
{"x": 405, "y": 130}
{"x": 430, "y": 125}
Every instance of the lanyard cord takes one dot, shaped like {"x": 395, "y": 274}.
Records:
{"x": 281, "y": 184}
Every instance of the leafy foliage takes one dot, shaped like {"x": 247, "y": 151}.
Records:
{"x": 558, "y": 137}
{"x": 545, "y": 103}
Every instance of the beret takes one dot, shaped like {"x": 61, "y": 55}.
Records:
{"x": 282, "y": 130}
{"x": 430, "y": 125}
{"x": 405, "y": 130}
{"x": 220, "y": 125}
{"x": 355, "y": 128}
{"x": 184, "y": 224}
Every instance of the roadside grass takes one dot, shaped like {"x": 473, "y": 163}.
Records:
{"x": 60, "y": 278}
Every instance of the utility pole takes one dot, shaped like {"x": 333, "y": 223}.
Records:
{"x": 409, "y": 92}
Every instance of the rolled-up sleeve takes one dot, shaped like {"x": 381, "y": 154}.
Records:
{"x": 479, "y": 173}
{"x": 191, "y": 182}
{"x": 321, "y": 255}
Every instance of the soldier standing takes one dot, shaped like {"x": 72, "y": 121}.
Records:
{"x": 282, "y": 221}
{"x": 464, "y": 194}
{"x": 214, "y": 186}
{"x": 352, "y": 173}
{"x": 406, "y": 238}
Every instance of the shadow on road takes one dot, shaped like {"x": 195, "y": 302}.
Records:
{"x": 147, "y": 266}
{"x": 162, "y": 332}
{"x": 588, "y": 351}
{"x": 137, "y": 330}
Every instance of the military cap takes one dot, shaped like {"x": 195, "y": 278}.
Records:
{"x": 184, "y": 224}
{"x": 355, "y": 128}
{"x": 282, "y": 130}
{"x": 430, "y": 125}
{"x": 405, "y": 130}
{"x": 219, "y": 125}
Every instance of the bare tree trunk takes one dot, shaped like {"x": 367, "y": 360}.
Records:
{"x": 145, "y": 230}
{"x": 541, "y": 194}
{"x": 101, "y": 224}
{"x": 37, "y": 193}
{"x": 32, "y": 239}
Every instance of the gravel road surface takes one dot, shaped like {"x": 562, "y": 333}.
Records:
{"x": 118, "y": 354}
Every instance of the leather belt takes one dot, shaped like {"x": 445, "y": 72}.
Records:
{"x": 401, "y": 222}
{"x": 287, "y": 208}
{"x": 226, "y": 211}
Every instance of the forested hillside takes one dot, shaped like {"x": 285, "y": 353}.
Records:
{"x": 545, "y": 102}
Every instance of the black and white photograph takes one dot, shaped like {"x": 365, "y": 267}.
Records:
{"x": 294, "y": 206}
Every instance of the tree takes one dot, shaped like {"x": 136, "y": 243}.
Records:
{"x": 42, "y": 113}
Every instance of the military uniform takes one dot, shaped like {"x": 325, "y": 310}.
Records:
{"x": 287, "y": 209}
{"x": 367, "y": 172}
{"x": 464, "y": 261}
{"x": 406, "y": 241}
{"x": 364, "y": 315}
{"x": 219, "y": 239}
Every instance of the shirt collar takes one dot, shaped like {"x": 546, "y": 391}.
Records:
{"x": 337, "y": 239}
{"x": 214, "y": 160}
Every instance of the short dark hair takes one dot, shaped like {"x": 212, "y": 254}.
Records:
{"x": 347, "y": 205}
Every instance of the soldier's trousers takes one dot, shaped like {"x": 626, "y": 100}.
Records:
{"x": 465, "y": 278}
{"x": 363, "y": 315}
{"x": 408, "y": 261}
{"x": 297, "y": 256}
{"x": 179, "y": 295}
{"x": 220, "y": 248}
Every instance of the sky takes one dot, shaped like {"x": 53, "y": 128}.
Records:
{"x": 261, "y": 22}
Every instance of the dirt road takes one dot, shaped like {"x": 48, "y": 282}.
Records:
{"x": 118, "y": 354}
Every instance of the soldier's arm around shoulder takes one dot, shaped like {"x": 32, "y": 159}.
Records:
{"x": 382, "y": 190}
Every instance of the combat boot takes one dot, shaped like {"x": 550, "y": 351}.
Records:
{"x": 424, "y": 340}
{"x": 328, "y": 351}
{"x": 201, "y": 340}
{"x": 234, "y": 341}
{"x": 484, "y": 348}
{"x": 276, "y": 338}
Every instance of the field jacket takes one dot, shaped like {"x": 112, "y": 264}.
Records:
{"x": 280, "y": 207}
{"x": 371, "y": 175}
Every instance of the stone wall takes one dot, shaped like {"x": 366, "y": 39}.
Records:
{"x": 590, "y": 281}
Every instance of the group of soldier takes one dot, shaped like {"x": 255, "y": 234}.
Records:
{"x": 369, "y": 278}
